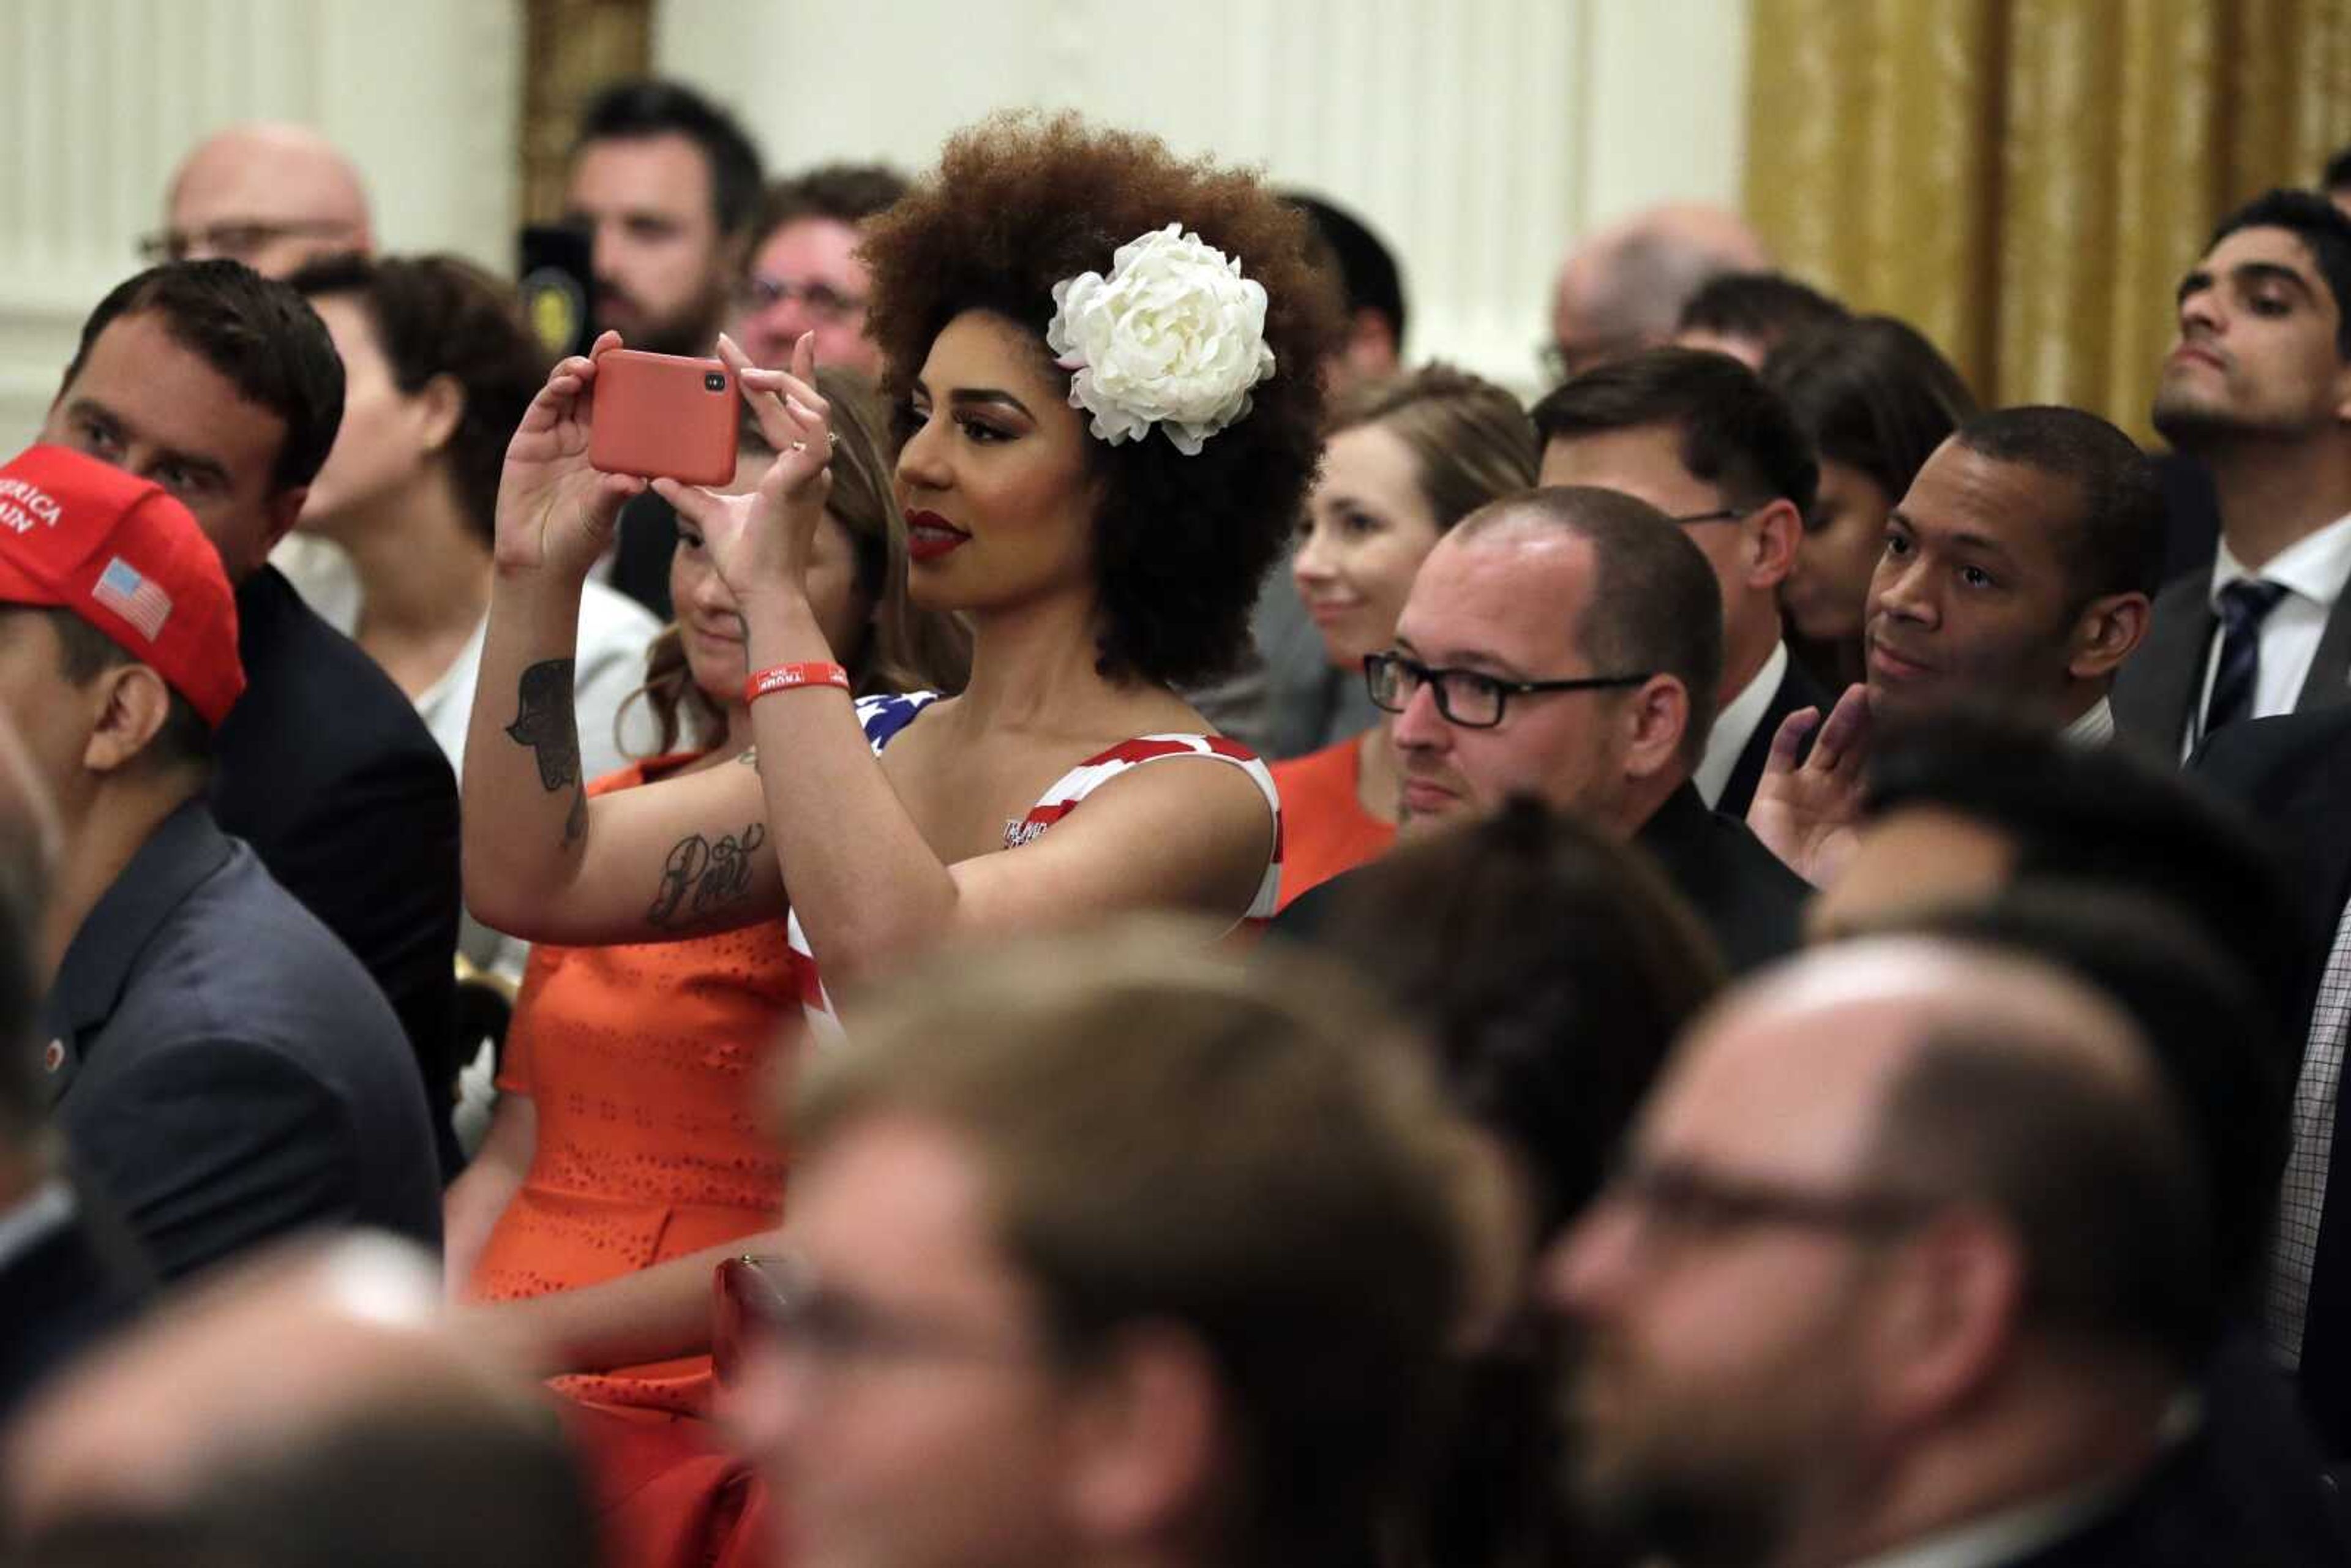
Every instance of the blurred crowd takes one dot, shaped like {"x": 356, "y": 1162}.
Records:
{"x": 1165, "y": 933}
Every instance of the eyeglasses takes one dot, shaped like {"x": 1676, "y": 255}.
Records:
{"x": 1682, "y": 1202}
{"x": 824, "y": 302}
{"x": 1471, "y": 698}
{"x": 777, "y": 1297}
{"x": 1724, "y": 515}
{"x": 237, "y": 241}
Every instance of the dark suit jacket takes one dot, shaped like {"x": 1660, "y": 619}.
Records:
{"x": 1797, "y": 690}
{"x": 1751, "y": 901}
{"x": 645, "y": 537}
{"x": 324, "y": 768}
{"x": 2156, "y": 690}
{"x": 2294, "y": 774}
{"x": 71, "y": 1284}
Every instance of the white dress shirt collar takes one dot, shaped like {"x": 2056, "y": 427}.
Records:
{"x": 1735, "y": 726}
{"x": 2315, "y": 566}
{"x": 2005, "y": 1537}
{"x": 2094, "y": 728}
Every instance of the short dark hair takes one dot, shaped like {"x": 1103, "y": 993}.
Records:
{"x": 2196, "y": 1007}
{"x": 2323, "y": 229}
{"x": 1769, "y": 307}
{"x": 2098, "y": 1179}
{"x": 1551, "y": 968}
{"x": 1873, "y": 394}
{"x": 260, "y": 335}
{"x": 439, "y": 316}
{"x": 2103, "y": 816}
{"x": 844, "y": 193}
{"x": 1654, "y": 603}
{"x": 1736, "y": 433}
{"x": 1368, "y": 277}
{"x": 2337, "y": 176}
{"x": 184, "y": 740}
{"x": 2116, "y": 544}
{"x": 636, "y": 109}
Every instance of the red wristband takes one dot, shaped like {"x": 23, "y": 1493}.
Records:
{"x": 790, "y": 677}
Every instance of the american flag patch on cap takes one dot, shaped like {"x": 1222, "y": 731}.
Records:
{"x": 123, "y": 590}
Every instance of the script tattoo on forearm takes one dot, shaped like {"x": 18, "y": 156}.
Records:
{"x": 547, "y": 723}
{"x": 700, "y": 878}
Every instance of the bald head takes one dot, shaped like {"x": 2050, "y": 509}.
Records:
{"x": 1623, "y": 289}
{"x": 270, "y": 195}
{"x": 252, "y": 1377}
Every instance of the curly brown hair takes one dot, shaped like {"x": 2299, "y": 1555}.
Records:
{"x": 1018, "y": 203}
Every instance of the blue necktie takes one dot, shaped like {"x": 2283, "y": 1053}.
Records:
{"x": 2244, "y": 605}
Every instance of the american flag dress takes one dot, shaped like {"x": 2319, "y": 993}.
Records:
{"x": 882, "y": 717}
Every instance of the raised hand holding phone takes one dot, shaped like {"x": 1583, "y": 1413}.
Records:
{"x": 762, "y": 542}
{"x": 555, "y": 510}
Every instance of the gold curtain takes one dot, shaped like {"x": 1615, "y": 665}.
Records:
{"x": 2025, "y": 181}
{"x": 573, "y": 48}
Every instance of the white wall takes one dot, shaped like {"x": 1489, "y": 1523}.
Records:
{"x": 1478, "y": 136}
{"x": 102, "y": 97}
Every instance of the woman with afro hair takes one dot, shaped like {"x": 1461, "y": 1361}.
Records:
{"x": 1101, "y": 363}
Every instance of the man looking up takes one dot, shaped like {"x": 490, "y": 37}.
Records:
{"x": 223, "y": 388}
{"x": 1910, "y": 1259}
{"x": 2015, "y": 578}
{"x": 220, "y": 1065}
{"x": 666, "y": 184}
{"x": 272, "y": 197}
{"x": 2258, "y": 390}
{"x": 1566, "y": 644}
{"x": 1697, "y": 436}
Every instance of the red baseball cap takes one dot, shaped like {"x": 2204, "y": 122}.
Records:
{"x": 121, "y": 552}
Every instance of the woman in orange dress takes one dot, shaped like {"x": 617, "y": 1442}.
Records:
{"x": 627, "y": 1130}
{"x": 1406, "y": 460}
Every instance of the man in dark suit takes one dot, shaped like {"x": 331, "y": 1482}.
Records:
{"x": 2258, "y": 392}
{"x": 220, "y": 1065}
{"x": 1566, "y": 644}
{"x": 2293, "y": 773}
{"x": 1909, "y": 1257}
{"x": 224, "y": 389}
{"x": 1699, "y": 437}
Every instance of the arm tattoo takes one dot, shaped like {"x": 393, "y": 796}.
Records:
{"x": 547, "y": 723}
{"x": 700, "y": 878}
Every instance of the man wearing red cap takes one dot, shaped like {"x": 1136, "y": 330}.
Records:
{"x": 222, "y": 1067}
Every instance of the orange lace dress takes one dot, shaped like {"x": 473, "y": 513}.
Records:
{"x": 650, "y": 1065}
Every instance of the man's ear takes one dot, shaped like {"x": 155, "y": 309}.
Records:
{"x": 1779, "y": 528}
{"x": 130, "y": 704}
{"x": 441, "y": 408}
{"x": 1949, "y": 1314}
{"x": 1655, "y": 718}
{"x": 1144, "y": 1439}
{"x": 282, "y": 510}
{"x": 2106, "y": 632}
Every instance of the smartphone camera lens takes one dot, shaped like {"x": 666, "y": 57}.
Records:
{"x": 715, "y": 381}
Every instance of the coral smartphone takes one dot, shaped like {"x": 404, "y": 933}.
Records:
{"x": 559, "y": 287}
{"x": 662, "y": 416}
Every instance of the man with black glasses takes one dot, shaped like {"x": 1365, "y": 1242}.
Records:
{"x": 1566, "y": 644}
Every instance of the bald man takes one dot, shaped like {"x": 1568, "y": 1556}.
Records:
{"x": 313, "y": 1407}
{"x": 1623, "y": 289}
{"x": 1909, "y": 1261}
{"x": 272, "y": 197}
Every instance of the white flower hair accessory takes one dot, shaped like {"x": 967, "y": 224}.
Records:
{"x": 1175, "y": 336}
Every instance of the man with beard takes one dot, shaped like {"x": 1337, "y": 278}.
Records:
{"x": 667, "y": 187}
{"x": 1908, "y": 1261}
{"x": 2258, "y": 390}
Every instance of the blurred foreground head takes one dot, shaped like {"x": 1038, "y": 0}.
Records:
{"x": 1913, "y": 1233}
{"x": 1108, "y": 1249}
{"x": 309, "y": 1409}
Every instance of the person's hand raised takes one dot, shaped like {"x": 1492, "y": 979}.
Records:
{"x": 1806, "y": 812}
{"x": 554, "y": 511}
{"x": 761, "y": 543}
